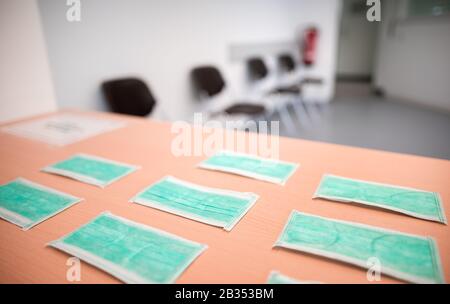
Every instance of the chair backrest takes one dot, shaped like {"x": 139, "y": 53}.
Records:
{"x": 129, "y": 96}
{"x": 257, "y": 68}
{"x": 207, "y": 80}
{"x": 286, "y": 62}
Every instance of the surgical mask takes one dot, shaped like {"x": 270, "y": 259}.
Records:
{"x": 404, "y": 256}
{"x": 277, "y": 278}
{"x": 27, "y": 204}
{"x": 91, "y": 169}
{"x": 274, "y": 171}
{"x": 413, "y": 202}
{"x": 217, "y": 207}
{"x": 132, "y": 252}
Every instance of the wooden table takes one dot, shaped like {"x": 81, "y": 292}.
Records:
{"x": 244, "y": 255}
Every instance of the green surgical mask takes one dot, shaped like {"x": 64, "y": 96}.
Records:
{"x": 413, "y": 202}
{"x": 132, "y": 252}
{"x": 404, "y": 256}
{"x": 278, "y": 278}
{"x": 265, "y": 169}
{"x": 217, "y": 207}
{"x": 27, "y": 204}
{"x": 91, "y": 169}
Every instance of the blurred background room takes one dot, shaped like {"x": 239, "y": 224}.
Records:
{"x": 325, "y": 69}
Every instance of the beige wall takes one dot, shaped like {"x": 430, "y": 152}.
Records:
{"x": 357, "y": 41}
{"x": 25, "y": 81}
{"x": 161, "y": 40}
{"x": 413, "y": 58}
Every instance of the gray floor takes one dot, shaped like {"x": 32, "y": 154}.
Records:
{"x": 372, "y": 122}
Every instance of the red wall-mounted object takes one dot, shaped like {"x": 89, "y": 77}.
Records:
{"x": 310, "y": 41}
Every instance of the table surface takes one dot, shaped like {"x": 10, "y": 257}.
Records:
{"x": 243, "y": 255}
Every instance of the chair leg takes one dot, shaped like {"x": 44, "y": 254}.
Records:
{"x": 302, "y": 114}
{"x": 314, "y": 111}
{"x": 286, "y": 119}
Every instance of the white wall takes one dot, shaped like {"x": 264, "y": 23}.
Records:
{"x": 357, "y": 40}
{"x": 161, "y": 40}
{"x": 25, "y": 82}
{"x": 413, "y": 59}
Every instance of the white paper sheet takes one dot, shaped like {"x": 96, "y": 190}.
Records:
{"x": 63, "y": 129}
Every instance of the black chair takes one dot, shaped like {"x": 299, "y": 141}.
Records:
{"x": 208, "y": 81}
{"x": 129, "y": 96}
{"x": 258, "y": 70}
{"x": 287, "y": 64}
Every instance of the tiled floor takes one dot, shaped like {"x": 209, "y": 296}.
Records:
{"x": 377, "y": 123}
